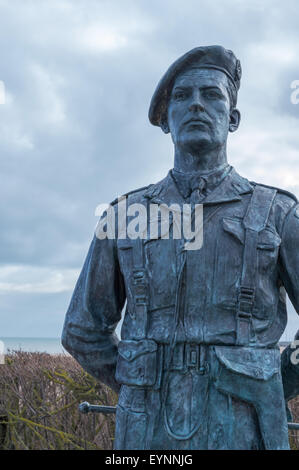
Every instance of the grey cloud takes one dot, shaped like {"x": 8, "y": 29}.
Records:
{"x": 74, "y": 132}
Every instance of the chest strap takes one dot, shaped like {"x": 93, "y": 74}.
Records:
{"x": 254, "y": 221}
{"x": 140, "y": 289}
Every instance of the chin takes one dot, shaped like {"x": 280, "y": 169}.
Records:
{"x": 197, "y": 143}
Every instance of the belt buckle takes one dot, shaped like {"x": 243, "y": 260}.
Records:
{"x": 192, "y": 356}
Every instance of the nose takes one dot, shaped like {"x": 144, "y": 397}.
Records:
{"x": 196, "y": 104}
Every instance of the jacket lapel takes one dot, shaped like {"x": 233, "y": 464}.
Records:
{"x": 230, "y": 189}
{"x": 166, "y": 192}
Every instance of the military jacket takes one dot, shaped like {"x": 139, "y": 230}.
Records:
{"x": 205, "y": 298}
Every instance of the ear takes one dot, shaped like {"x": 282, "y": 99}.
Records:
{"x": 164, "y": 125}
{"x": 235, "y": 118}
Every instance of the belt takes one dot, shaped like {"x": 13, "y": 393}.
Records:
{"x": 186, "y": 356}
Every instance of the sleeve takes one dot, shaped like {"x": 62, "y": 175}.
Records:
{"x": 290, "y": 369}
{"x": 289, "y": 273}
{"x": 94, "y": 311}
{"x": 289, "y": 255}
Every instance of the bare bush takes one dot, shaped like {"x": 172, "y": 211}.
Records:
{"x": 294, "y": 434}
{"x": 39, "y": 397}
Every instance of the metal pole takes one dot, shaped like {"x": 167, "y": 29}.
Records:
{"x": 85, "y": 407}
{"x": 293, "y": 426}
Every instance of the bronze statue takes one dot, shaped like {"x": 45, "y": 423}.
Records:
{"x": 198, "y": 365}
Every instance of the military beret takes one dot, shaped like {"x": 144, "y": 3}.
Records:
{"x": 213, "y": 57}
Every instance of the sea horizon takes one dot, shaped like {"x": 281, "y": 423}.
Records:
{"x": 48, "y": 345}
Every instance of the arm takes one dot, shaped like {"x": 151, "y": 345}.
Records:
{"x": 94, "y": 311}
{"x": 290, "y": 370}
{"x": 289, "y": 271}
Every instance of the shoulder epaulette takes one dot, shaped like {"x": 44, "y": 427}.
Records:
{"x": 128, "y": 194}
{"x": 283, "y": 191}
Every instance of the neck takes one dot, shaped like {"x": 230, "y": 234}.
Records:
{"x": 193, "y": 162}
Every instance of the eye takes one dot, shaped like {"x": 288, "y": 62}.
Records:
{"x": 212, "y": 94}
{"x": 179, "y": 95}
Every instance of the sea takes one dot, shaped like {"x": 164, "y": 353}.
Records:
{"x": 48, "y": 345}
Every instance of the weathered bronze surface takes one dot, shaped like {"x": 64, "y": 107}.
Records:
{"x": 198, "y": 365}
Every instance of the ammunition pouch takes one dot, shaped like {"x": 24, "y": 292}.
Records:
{"x": 138, "y": 363}
{"x": 253, "y": 375}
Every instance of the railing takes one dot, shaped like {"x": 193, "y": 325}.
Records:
{"x": 293, "y": 426}
{"x": 85, "y": 408}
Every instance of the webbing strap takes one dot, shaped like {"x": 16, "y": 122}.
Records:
{"x": 140, "y": 286}
{"x": 254, "y": 221}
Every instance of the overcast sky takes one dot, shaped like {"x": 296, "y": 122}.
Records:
{"x": 74, "y": 132}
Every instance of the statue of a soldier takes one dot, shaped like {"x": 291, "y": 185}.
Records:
{"x": 198, "y": 365}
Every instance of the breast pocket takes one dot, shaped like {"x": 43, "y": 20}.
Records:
{"x": 267, "y": 246}
{"x": 267, "y": 253}
{"x": 268, "y": 249}
{"x": 227, "y": 263}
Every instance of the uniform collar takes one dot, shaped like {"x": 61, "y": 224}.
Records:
{"x": 210, "y": 179}
{"x": 230, "y": 189}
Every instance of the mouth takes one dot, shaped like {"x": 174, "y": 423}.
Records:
{"x": 197, "y": 122}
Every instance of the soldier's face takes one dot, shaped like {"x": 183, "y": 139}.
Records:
{"x": 199, "y": 110}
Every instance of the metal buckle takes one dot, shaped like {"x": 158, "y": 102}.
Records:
{"x": 139, "y": 277}
{"x": 247, "y": 292}
{"x": 246, "y": 300}
{"x": 140, "y": 299}
{"x": 192, "y": 356}
{"x": 139, "y": 281}
{"x": 185, "y": 356}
